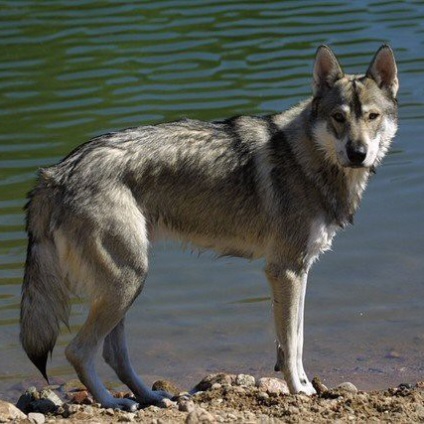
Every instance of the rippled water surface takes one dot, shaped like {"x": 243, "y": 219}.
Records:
{"x": 70, "y": 70}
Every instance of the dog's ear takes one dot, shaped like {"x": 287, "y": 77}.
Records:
{"x": 327, "y": 69}
{"x": 383, "y": 70}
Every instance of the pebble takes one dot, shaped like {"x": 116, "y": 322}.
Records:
{"x": 73, "y": 409}
{"x": 82, "y": 398}
{"x": 263, "y": 395}
{"x": 186, "y": 406}
{"x": 273, "y": 386}
{"x": 166, "y": 386}
{"x": 200, "y": 416}
{"x": 110, "y": 412}
{"x": 319, "y": 386}
{"x": 127, "y": 418}
{"x": 245, "y": 380}
{"x": 168, "y": 403}
{"x": 10, "y": 412}
{"x": 209, "y": 380}
{"x": 347, "y": 387}
{"x": 36, "y": 418}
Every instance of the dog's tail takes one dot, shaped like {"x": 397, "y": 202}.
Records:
{"x": 45, "y": 298}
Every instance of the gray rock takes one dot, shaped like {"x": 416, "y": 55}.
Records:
{"x": 36, "y": 418}
{"x": 211, "y": 379}
{"x": 24, "y": 402}
{"x": 44, "y": 406}
{"x": 200, "y": 415}
{"x": 186, "y": 406}
{"x": 347, "y": 387}
{"x": 245, "y": 380}
{"x": 9, "y": 412}
{"x": 263, "y": 395}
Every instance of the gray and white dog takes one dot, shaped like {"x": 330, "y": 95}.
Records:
{"x": 276, "y": 186}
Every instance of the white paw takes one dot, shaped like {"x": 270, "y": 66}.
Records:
{"x": 307, "y": 388}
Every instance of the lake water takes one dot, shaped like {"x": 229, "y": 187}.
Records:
{"x": 72, "y": 70}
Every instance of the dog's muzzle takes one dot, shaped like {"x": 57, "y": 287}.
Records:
{"x": 356, "y": 153}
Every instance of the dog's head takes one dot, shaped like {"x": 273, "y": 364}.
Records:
{"x": 354, "y": 116}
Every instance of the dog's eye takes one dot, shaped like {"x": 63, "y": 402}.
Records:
{"x": 339, "y": 117}
{"x": 372, "y": 116}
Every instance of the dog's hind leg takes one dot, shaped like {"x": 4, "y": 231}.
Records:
{"x": 82, "y": 350}
{"x": 115, "y": 353}
{"x": 106, "y": 254}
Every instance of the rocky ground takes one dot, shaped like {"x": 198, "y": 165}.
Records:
{"x": 225, "y": 398}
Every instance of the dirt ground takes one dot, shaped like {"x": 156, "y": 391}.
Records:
{"x": 227, "y": 398}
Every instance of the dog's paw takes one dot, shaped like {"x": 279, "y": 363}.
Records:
{"x": 159, "y": 398}
{"x": 307, "y": 388}
{"x": 123, "y": 404}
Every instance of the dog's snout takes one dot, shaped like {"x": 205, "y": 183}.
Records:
{"x": 356, "y": 153}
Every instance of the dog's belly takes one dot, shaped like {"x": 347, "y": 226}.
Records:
{"x": 222, "y": 244}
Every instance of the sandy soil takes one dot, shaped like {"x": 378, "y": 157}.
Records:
{"x": 227, "y": 398}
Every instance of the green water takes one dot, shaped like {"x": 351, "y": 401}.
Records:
{"x": 70, "y": 70}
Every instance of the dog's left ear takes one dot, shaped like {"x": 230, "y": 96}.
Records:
{"x": 383, "y": 70}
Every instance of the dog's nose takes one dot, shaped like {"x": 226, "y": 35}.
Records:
{"x": 356, "y": 153}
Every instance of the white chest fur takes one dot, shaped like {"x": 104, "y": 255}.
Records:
{"x": 320, "y": 239}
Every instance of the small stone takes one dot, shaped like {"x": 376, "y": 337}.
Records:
{"x": 119, "y": 395}
{"x": 393, "y": 354}
{"x": 127, "y": 418}
{"x": 88, "y": 410}
{"x": 10, "y": 412}
{"x": 52, "y": 396}
{"x": 263, "y": 395}
{"x": 110, "y": 412}
{"x": 209, "y": 380}
{"x": 199, "y": 415}
{"x": 82, "y": 398}
{"x": 24, "y": 402}
{"x": 36, "y": 418}
{"x": 347, "y": 387}
{"x": 186, "y": 406}
{"x": 319, "y": 386}
{"x": 153, "y": 408}
{"x": 73, "y": 409}
{"x": 216, "y": 386}
{"x": 245, "y": 380}
{"x": 43, "y": 406}
{"x": 166, "y": 386}
{"x": 273, "y": 386}
{"x": 167, "y": 403}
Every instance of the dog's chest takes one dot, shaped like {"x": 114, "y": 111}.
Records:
{"x": 320, "y": 238}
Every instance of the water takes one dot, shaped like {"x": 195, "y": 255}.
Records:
{"x": 72, "y": 70}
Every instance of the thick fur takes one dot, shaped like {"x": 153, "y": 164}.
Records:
{"x": 277, "y": 186}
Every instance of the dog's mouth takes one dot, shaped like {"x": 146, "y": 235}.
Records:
{"x": 355, "y": 166}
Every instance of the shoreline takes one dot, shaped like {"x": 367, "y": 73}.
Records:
{"x": 225, "y": 398}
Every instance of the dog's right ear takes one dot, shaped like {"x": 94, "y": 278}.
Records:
{"x": 327, "y": 70}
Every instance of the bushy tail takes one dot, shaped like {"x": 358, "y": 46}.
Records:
{"x": 45, "y": 299}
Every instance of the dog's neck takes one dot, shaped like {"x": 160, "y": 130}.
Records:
{"x": 340, "y": 188}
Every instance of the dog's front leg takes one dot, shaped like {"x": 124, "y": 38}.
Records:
{"x": 287, "y": 286}
{"x": 307, "y": 386}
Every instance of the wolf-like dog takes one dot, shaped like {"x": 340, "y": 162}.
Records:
{"x": 276, "y": 186}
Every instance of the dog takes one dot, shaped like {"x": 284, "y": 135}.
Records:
{"x": 278, "y": 186}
